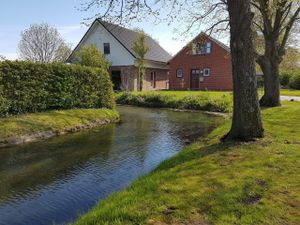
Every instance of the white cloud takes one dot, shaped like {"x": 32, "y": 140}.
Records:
{"x": 66, "y": 30}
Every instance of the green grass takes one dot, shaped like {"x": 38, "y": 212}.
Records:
{"x": 289, "y": 92}
{"x": 194, "y": 100}
{"x": 52, "y": 121}
{"x": 215, "y": 183}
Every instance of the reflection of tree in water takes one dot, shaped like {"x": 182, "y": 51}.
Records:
{"x": 38, "y": 164}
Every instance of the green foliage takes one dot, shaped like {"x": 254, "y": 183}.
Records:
{"x": 215, "y": 102}
{"x": 295, "y": 80}
{"x": 91, "y": 56}
{"x": 141, "y": 48}
{"x": 33, "y": 87}
{"x": 210, "y": 182}
{"x": 284, "y": 77}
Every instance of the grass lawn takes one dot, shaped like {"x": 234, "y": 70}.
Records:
{"x": 289, "y": 92}
{"x": 215, "y": 183}
{"x": 52, "y": 121}
{"x": 195, "y": 100}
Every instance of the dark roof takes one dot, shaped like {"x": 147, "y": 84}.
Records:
{"x": 127, "y": 37}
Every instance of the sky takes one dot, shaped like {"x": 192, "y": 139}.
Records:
{"x": 16, "y": 16}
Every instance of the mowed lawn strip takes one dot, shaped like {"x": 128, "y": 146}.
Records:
{"x": 55, "y": 121}
{"x": 218, "y": 183}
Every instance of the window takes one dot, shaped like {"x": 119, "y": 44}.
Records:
{"x": 106, "y": 47}
{"x": 206, "y": 72}
{"x": 201, "y": 48}
{"x": 153, "y": 80}
{"x": 195, "y": 71}
{"x": 179, "y": 73}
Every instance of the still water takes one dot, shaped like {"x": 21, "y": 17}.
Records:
{"x": 54, "y": 181}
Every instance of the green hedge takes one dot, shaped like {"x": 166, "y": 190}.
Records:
{"x": 290, "y": 78}
{"x": 203, "y": 101}
{"x": 295, "y": 81}
{"x": 32, "y": 87}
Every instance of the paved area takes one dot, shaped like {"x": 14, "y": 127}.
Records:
{"x": 290, "y": 98}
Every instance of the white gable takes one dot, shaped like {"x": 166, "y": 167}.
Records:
{"x": 98, "y": 35}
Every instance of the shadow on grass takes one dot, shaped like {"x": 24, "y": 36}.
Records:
{"x": 193, "y": 152}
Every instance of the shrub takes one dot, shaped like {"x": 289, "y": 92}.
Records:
{"x": 295, "y": 80}
{"x": 33, "y": 87}
{"x": 202, "y": 101}
{"x": 284, "y": 77}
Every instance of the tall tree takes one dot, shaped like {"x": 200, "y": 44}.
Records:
{"x": 246, "y": 123}
{"x": 275, "y": 20}
{"x": 42, "y": 43}
{"x": 141, "y": 48}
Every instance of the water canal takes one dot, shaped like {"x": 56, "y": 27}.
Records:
{"x": 54, "y": 181}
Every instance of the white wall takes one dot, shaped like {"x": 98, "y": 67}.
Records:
{"x": 119, "y": 56}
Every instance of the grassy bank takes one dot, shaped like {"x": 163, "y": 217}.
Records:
{"x": 215, "y": 183}
{"x": 194, "y": 100}
{"x": 56, "y": 121}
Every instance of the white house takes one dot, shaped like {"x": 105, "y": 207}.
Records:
{"x": 116, "y": 43}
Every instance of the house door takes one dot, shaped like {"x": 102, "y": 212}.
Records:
{"x": 195, "y": 76}
{"x": 116, "y": 79}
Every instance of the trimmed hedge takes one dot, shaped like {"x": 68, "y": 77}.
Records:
{"x": 203, "y": 101}
{"x": 27, "y": 87}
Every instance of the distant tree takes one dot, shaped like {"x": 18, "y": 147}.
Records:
{"x": 43, "y": 43}
{"x": 91, "y": 56}
{"x": 63, "y": 52}
{"x": 275, "y": 20}
{"x": 141, "y": 48}
{"x": 291, "y": 59}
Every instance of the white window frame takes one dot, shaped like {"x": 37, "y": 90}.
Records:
{"x": 206, "y": 72}
{"x": 177, "y": 70}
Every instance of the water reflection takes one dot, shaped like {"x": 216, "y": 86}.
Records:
{"x": 56, "y": 180}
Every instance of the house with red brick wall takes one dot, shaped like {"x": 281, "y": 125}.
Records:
{"x": 115, "y": 43}
{"x": 203, "y": 64}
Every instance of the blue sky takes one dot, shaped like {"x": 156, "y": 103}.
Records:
{"x": 15, "y": 16}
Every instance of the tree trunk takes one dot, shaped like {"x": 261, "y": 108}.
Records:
{"x": 269, "y": 63}
{"x": 246, "y": 122}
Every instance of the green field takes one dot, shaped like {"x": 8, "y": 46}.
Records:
{"x": 52, "y": 121}
{"x": 289, "y": 92}
{"x": 218, "y": 183}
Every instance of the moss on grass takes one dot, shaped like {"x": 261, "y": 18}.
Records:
{"x": 218, "y": 183}
{"x": 52, "y": 121}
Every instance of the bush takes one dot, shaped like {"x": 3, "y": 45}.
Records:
{"x": 33, "y": 87}
{"x": 202, "y": 101}
{"x": 295, "y": 80}
{"x": 284, "y": 77}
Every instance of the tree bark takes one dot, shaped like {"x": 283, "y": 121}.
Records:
{"x": 269, "y": 63}
{"x": 246, "y": 122}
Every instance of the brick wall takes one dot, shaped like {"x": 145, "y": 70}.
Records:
{"x": 129, "y": 78}
{"x": 219, "y": 61}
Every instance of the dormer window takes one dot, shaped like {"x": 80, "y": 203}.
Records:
{"x": 106, "y": 48}
{"x": 201, "y": 48}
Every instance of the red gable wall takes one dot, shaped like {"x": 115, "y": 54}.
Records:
{"x": 219, "y": 61}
